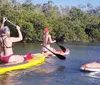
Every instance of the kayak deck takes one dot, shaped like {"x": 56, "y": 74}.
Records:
{"x": 35, "y": 61}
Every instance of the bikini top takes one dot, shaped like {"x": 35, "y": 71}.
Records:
{"x": 4, "y": 45}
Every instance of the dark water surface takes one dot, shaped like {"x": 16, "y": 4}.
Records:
{"x": 55, "y": 71}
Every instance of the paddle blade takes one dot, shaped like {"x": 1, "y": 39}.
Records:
{"x": 60, "y": 56}
{"x": 62, "y": 47}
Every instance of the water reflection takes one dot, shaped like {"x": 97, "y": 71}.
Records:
{"x": 4, "y": 80}
{"x": 8, "y": 79}
{"x": 93, "y": 75}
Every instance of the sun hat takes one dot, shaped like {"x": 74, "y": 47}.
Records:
{"x": 46, "y": 30}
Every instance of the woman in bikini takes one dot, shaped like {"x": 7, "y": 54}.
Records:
{"x": 6, "y": 50}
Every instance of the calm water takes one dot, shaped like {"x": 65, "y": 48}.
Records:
{"x": 55, "y": 71}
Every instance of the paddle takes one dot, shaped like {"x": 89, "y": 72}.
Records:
{"x": 62, "y": 47}
{"x": 58, "y": 55}
{"x": 10, "y": 22}
{"x": 14, "y": 25}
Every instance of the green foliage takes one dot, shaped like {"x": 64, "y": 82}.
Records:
{"x": 27, "y": 30}
{"x": 65, "y": 23}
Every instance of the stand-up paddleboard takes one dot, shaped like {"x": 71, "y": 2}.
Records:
{"x": 91, "y": 67}
{"x": 58, "y": 52}
{"x": 63, "y": 53}
{"x": 36, "y": 60}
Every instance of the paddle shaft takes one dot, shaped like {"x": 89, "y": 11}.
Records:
{"x": 15, "y": 25}
{"x": 11, "y": 23}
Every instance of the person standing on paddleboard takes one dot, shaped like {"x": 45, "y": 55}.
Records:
{"x": 6, "y": 50}
{"x": 47, "y": 40}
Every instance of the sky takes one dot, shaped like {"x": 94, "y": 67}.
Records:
{"x": 66, "y": 2}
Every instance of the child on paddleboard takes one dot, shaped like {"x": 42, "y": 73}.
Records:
{"x": 47, "y": 40}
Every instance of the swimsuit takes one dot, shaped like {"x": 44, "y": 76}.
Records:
{"x": 5, "y": 59}
{"x": 45, "y": 49}
{"x": 4, "y": 45}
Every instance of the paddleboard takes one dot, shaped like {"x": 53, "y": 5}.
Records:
{"x": 35, "y": 61}
{"x": 58, "y": 52}
{"x": 63, "y": 53}
{"x": 91, "y": 67}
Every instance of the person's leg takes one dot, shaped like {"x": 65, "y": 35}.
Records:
{"x": 16, "y": 59}
{"x": 49, "y": 52}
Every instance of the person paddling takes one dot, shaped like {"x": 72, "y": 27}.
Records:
{"x": 6, "y": 50}
{"x": 47, "y": 40}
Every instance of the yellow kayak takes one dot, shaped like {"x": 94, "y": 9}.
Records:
{"x": 35, "y": 61}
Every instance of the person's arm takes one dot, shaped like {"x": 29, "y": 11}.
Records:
{"x": 50, "y": 39}
{"x": 3, "y": 21}
{"x": 16, "y": 39}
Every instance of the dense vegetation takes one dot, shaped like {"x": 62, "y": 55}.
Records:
{"x": 81, "y": 23}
